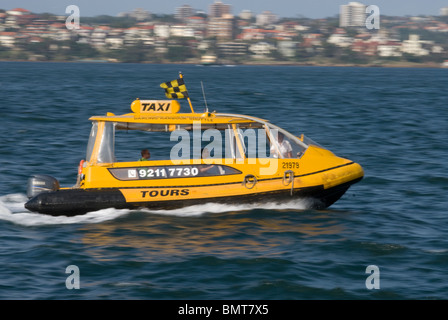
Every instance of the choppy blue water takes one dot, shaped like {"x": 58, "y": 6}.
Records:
{"x": 394, "y": 122}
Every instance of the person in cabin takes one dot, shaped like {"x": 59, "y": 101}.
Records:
{"x": 211, "y": 169}
{"x": 284, "y": 147}
{"x": 145, "y": 155}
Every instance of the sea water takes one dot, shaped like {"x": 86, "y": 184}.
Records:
{"x": 394, "y": 122}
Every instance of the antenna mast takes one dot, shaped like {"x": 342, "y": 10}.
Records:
{"x": 205, "y": 100}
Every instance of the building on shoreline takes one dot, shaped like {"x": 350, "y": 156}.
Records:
{"x": 444, "y": 11}
{"x": 352, "y": 14}
{"x": 233, "y": 38}
{"x": 219, "y": 9}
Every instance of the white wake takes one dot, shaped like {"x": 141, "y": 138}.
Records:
{"x": 12, "y": 209}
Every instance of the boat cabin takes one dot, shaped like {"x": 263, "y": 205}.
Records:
{"x": 230, "y": 137}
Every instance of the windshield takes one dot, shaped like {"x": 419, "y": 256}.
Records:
{"x": 285, "y": 145}
{"x": 308, "y": 141}
{"x": 101, "y": 145}
{"x": 92, "y": 138}
{"x": 106, "y": 151}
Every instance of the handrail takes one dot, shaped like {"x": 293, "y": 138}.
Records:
{"x": 289, "y": 174}
{"x": 247, "y": 179}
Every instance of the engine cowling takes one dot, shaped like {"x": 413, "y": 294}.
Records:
{"x": 41, "y": 183}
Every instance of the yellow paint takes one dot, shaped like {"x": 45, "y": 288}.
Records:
{"x": 317, "y": 167}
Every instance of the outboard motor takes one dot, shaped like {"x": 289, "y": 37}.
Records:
{"x": 41, "y": 183}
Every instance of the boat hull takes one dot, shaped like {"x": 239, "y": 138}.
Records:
{"x": 72, "y": 202}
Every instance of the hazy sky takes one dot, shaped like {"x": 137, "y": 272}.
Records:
{"x": 283, "y": 8}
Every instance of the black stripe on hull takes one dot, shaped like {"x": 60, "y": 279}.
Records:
{"x": 73, "y": 202}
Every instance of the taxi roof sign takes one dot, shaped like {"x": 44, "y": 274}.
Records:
{"x": 155, "y": 106}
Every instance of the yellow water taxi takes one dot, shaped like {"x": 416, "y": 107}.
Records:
{"x": 245, "y": 159}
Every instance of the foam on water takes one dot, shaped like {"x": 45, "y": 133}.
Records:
{"x": 12, "y": 210}
{"x": 198, "y": 210}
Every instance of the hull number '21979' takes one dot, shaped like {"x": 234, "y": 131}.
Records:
{"x": 290, "y": 165}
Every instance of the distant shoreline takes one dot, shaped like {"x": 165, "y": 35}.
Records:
{"x": 259, "y": 63}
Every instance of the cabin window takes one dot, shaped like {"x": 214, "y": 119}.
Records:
{"x": 283, "y": 144}
{"x": 101, "y": 145}
{"x": 309, "y": 141}
{"x": 92, "y": 138}
{"x": 106, "y": 150}
{"x": 253, "y": 141}
{"x": 179, "y": 142}
{"x": 269, "y": 141}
